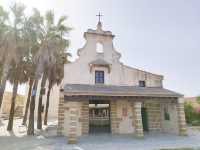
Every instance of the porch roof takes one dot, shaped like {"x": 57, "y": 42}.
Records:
{"x": 112, "y": 90}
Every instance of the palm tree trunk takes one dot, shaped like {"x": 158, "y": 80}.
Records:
{"x": 12, "y": 109}
{"x": 47, "y": 104}
{"x": 30, "y": 130}
{"x": 2, "y": 89}
{"x": 39, "y": 117}
{"x": 3, "y": 81}
{"x": 27, "y": 102}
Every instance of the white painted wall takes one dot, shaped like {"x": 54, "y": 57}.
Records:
{"x": 169, "y": 126}
{"x": 126, "y": 123}
{"x": 78, "y": 72}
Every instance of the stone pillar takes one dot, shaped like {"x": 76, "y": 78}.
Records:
{"x": 113, "y": 117}
{"x": 137, "y": 118}
{"x": 61, "y": 110}
{"x": 181, "y": 117}
{"x": 154, "y": 115}
{"x": 73, "y": 122}
{"x": 85, "y": 117}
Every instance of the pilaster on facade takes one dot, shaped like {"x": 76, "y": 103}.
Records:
{"x": 85, "y": 117}
{"x": 113, "y": 117}
{"x": 61, "y": 110}
{"x": 73, "y": 123}
{"x": 154, "y": 115}
{"x": 181, "y": 117}
{"x": 138, "y": 119}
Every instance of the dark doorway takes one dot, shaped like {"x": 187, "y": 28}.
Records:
{"x": 144, "y": 119}
{"x": 99, "y": 116}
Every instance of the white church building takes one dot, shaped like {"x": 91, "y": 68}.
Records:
{"x": 102, "y": 95}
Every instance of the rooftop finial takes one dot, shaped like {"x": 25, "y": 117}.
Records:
{"x": 99, "y": 25}
{"x": 99, "y": 16}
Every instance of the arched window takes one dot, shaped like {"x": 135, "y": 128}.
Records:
{"x": 99, "y": 48}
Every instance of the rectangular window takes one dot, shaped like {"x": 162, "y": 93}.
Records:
{"x": 99, "y": 76}
{"x": 166, "y": 114}
{"x": 142, "y": 84}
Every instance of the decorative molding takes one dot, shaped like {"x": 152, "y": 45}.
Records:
{"x": 100, "y": 65}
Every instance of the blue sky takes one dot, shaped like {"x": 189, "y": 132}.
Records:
{"x": 160, "y": 36}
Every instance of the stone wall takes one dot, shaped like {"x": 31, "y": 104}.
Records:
{"x": 154, "y": 115}
{"x": 181, "y": 118}
{"x": 137, "y": 119}
{"x": 113, "y": 117}
{"x": 85, "y": 117}
{"x": 125, "y": 117}
{"x": 64, "y": 118}
{"x": 171, "y": 125}
{"x": 73, "y": 125}
{"x": 75, "y": 105}
{"x": 61, "y": 110}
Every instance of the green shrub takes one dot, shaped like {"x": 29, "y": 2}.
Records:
{"x": 198, "y": 99}
{"x": 189, "y": 113}
{"x": 192, "y": 116}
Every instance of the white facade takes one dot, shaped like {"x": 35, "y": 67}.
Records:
{"x": 119, "y": 74}
{"x": 126, "y": 116}
{"x": 79, "y": 72}
{"x": 99, "y": 54}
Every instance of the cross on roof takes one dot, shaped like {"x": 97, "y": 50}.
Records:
{"x": 99, "y": 15}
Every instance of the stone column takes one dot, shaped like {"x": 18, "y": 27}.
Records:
{"x": 154, "y": 115}
{"x": 137, "y": 118}
{"x": 61, "y": 110}
{"x": 73, "y": 122}
{"x": 181, "y": 117}
{"x": 85, "y": 117}
{"x": 113, "y": 117}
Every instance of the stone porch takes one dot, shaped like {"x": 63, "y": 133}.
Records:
{"x": 73, "y": 117}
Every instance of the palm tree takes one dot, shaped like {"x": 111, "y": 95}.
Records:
{"x": 53, "y": 45}
{"x": 1, "y": 69}
{"x": 36, "y": 21}
{"x": 17, "y": 73}
{"x": 39, "y": 61}
{"x": 42, "y": 88}
{"x": 47, "y": 45}
{"x": 56, "y": 69}
{"x": 37, "y": 76}
{"x": 8, "y": 54}
{"x": 55, "y": 76}
{"x": 9, "y": 41}
{"x": 51, "y": 84}
{"x": 27, "y": 102}
{"x": 30, "y": 130}
{"x": 33, "y": 33}
{"x": 3, "y": 49}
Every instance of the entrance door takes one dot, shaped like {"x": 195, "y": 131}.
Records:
{"x": 145, "y": 119}
{"x": 99, "y": 117}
